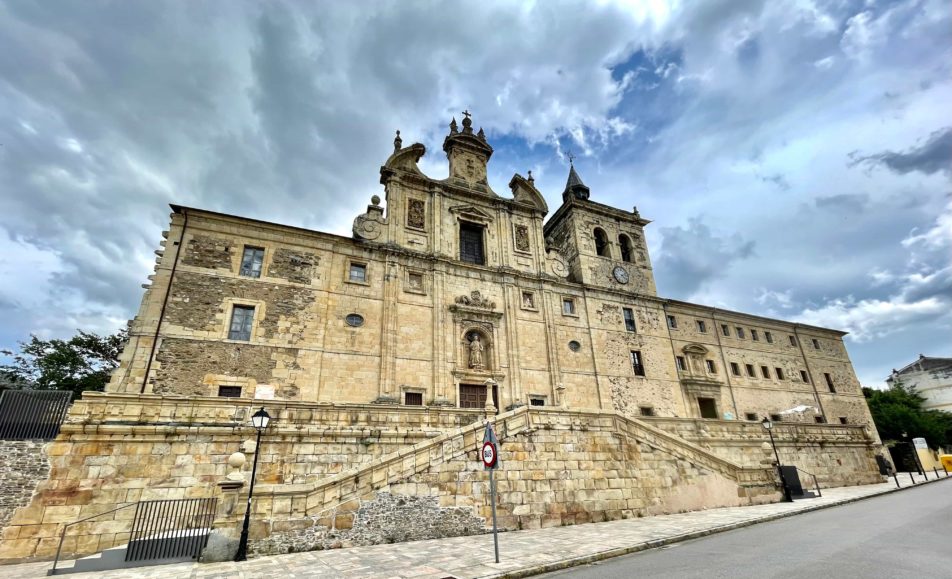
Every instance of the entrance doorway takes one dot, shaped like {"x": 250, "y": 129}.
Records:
{"x": 474, "y": 396}
{"x": 708, "y": 407}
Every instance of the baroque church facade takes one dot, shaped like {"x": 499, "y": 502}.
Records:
{"x": 457, "y": 296}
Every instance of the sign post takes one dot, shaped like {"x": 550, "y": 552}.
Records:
{"x": 490, "y": 456}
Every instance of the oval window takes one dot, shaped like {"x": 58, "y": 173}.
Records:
{"x": 354, "y": 320}
{"x": 575, "y": 346}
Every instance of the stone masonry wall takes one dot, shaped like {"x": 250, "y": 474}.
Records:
{"x": 24, "y": 466}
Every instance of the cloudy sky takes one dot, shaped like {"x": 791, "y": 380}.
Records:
{"x": 793, "y": 155}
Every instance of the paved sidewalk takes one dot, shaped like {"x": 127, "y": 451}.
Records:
{"x": 522, "y": 553}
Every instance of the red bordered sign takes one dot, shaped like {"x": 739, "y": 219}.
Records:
{"x": 489, "y": 455}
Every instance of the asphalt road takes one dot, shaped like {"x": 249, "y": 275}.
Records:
{"x": 903, "y": 534}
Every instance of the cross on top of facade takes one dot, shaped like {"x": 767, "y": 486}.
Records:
{"x": 467, "y": 114}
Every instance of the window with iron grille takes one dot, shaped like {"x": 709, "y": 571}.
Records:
{"x": 471, "y": 243}
{"x": 413, "y": 399}
{"x": 229, "y": 391}
{"x": 711, "y": 368}
{"x": 251, "y": 261}
{"x": 537, "y": 402}
{"x": 629, "y": 319}
{"x": 636, "y": 363}
{"x": 241, "y": 319}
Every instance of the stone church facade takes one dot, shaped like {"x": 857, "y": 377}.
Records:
{"x": 380, "y": 355}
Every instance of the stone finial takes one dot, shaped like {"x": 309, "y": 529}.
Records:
{"x": 236, "y": 461}
{"x": 397, "y": 142}
{"x": 375, "y": 200}
{"x": 531, "y": 179}
{"x": 453, "y": 127}
{"x": 634, "y": 210}
{"x": 467, "y": 123}
{"x": 481, "y": 135}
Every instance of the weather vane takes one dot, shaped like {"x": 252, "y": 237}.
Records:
{"x": 571, "y": 158}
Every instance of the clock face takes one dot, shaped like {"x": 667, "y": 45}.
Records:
{"x": 621, "y": 275}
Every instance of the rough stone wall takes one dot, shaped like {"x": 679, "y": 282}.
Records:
{"x": 209, "y": 251}
{"x": 24, "y": 466}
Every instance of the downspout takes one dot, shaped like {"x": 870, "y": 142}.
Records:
{"x": 165, "y": 303}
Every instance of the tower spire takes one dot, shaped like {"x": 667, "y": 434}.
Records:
{"x": 573, "y": 185}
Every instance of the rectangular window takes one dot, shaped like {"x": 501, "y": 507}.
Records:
{"x": 679, "y": 361}
{"x": 711, "y": 368}
{"x": 752, "y": 416}
{"x": 793, "y": 340}
{"x": 471, "y": 243}
{"x": 357, "y": 273}
{"x": 229, "y": 391}
{"x": 769, "y": 337}
{"x": 537, "y": 402}
{"x": 750, "y": 370}
{"x": 735, "y": 369}
{"x": 829, "y": 382}
{"x": 819, "y": 419}
{"x": 776, "y": 418}
{"x": 629, "y": 319}
{"x": 765, "y": 371}
{"x": 754, "y": 336}
{"x": 725, "y": 329}
{"x": 636, "y": 363}
{"x": 646, "y": 410}
{"x": 568, "y": 306}
{"x": 804, "y": 376}
{"x": 701, "y": 326}
{"x": 779, "y": 372}
{"x": 251, "y": 261}
{"x": 816, "y": 344}
{"x": 740, "y": 332}
{"x": 672, "y": 322}
{"x": 241, "y": 318}
{"x": 413, "y": 398}
{"x": 843, "y": 420}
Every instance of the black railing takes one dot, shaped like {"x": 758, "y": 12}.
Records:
{"x": 170, "y": 529}
{"x": 66, "y": 527}
{"x": 816, "y": 483}
{"x": 32, "y": 414}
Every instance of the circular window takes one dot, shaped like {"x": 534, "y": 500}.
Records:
{"x": 354, "y": 320}
{"x": 575, "y": 346}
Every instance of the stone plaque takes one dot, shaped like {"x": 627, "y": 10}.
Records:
{"x": 416, "y": 214}
{"x": 522, "y": 238}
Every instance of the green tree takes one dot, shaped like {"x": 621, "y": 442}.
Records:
{"x": 898, "y": 409}
{"x": 79, "y": 364}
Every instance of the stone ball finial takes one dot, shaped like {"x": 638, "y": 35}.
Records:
{"x": 397, "y": 142}
{"x": 236, "y": 460}
{"x": 375, "y": 200}
{"x": 531, "y": 179}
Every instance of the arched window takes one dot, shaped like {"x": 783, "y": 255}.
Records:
{"x": 625, "y": 243}
{"x": 601, "y": 242}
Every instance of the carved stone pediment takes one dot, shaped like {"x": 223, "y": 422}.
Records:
{"x": 471, "y": 213}
{"x": 476, "y": 300}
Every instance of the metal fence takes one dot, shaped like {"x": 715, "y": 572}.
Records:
{"x": 32, "y": 414}
{"x": 170, "y": 529}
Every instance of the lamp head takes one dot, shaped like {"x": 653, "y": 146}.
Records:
{"x": 767, "y": 424}
{"x": 260, "y": 419}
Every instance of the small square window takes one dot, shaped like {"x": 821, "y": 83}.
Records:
{"x": 357, "y": 273}
{"x": 750, "y": 370}
{"x": 241, "y": 320}
{"x": 779, "y": 372}
{"x": 701, "y": 326}
{"x": 528, "y": 300}
{"x": 725, "y": 329}
{"x": 776, "y": 418}
{"x": 793, "y": 340}
{"x": 829, "y": 382}
{"x": 843, "y": 420}
{"x": 251, "y": 261}
{"x": 229, "y": 391}
{"x": 413, "y": 398}
{"x": 740, "y": 332}
{"x": 711, "y": 368}
{"x": 537, "y": 402}
{"x": 629, "y": 320}
{"x": 804, "y": 376}
{"x": 672, "y": 322}
{"x": 735, "y": 369}
{"x": 751, "y": 416}
{"x": 765, "y": 372}
{"x": 679, "y": 362}
{"x": 819, "y": 419}
{"x": 754, "y": 336}
{"x": 646, "y": 410}
{"x": 568, "y": 306}
{"x": 636, "y": 363}
{"x": 816, "y": 344}
{"x": 769, "y": 337}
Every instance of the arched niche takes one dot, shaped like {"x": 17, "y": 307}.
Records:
{"x": 601, "y": 242}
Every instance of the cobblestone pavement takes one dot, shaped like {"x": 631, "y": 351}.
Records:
{"x": 522, "y": 553}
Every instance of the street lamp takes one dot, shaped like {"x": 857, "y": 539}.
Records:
{"x": 768, "y": 426}
{"x": 259, "y": 420}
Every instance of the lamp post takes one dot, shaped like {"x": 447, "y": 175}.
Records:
{"x": 259, "y": 420}
{"x": 768, "y": 426}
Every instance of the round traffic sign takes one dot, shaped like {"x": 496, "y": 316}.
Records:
{"x": 489, "y": 455}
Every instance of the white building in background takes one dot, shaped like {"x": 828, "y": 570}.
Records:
{"x": 931, "y": 377}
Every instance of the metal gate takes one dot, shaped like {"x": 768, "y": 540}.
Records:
{"x": 170, "y": 529}
{"x": 32, "y": 414}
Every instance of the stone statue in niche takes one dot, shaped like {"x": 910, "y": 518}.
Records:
{"x": 522, "y": 238}
{"x": 475, "y": 353}
{"x": 416, "y": 214}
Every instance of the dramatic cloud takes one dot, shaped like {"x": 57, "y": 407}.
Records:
{"x": 816, "y": 132}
